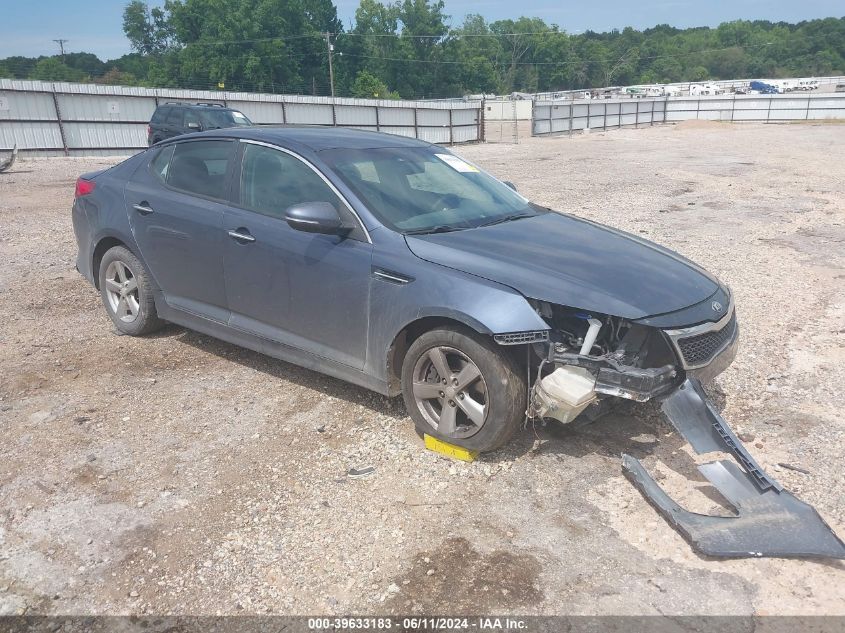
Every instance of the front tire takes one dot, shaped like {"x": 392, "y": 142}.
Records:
{"x": 127, "y": 293}
{"x": 460, "y": 387}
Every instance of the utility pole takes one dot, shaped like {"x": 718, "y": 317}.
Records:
{"x": 61, "y": 44}
{"x": 330, "y": 48}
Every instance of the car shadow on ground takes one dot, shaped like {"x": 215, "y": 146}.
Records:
{"x": 637, "y": 429}
{"x": 283, "y": 370}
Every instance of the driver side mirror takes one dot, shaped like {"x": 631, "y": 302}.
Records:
{"x": 510, "y": 184}
{"x": 316, "y": 217}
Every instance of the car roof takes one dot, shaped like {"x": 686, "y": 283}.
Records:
{"x": 316, "y": 137}
{"x": 201, "y": 106}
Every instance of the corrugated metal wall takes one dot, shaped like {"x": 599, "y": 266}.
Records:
{"x": 89, "y": 119}
{"x": 565, "y": 116}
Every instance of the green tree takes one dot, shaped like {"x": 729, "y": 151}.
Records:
{"x": 368, "y": 86}
{"x": 149, "y": 30}
{"x": 116, "y": 77}
{"x": 52, "y": 69}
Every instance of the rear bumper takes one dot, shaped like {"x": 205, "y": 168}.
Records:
{"x": 82, "y": 233}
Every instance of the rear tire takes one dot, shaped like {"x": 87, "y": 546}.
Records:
{"x": 127, "y": 293}
{"x": 482, "y": 402}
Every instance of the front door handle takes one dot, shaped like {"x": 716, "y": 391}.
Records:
{"x": 241, "y": 235}
{"x": 143, "y": 208}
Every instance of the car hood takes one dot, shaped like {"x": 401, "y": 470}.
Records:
{"x": 573, "y": 262}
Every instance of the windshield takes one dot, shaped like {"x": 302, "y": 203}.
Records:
{"x": 417, "y": 190}
{"x": 213, "y": 119}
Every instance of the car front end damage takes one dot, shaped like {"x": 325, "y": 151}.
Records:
{"x": 585, "y": 360}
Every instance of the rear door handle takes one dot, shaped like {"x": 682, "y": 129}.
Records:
{"x": 143, "y": 208}
{"x": 241, "y": 235}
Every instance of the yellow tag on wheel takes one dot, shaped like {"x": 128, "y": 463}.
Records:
{"x": 449, "y": 450}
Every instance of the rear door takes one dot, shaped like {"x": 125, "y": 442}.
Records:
{"x": 176, "y": 206}
{"x": 304, "y": 290}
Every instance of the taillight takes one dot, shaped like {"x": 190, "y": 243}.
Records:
{"x": 149, "y": 130}
{"x": 83, "y": 187}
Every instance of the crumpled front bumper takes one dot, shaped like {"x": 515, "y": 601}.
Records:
{"x": 770, "y": 521}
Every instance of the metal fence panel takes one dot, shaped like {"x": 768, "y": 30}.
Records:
{"x": 102, "y": 120}
{"x": 31, "y": 135}
{"x": 309, "y": 114}
{"x": 792, "y": 107}
{"x": 428, "y": 117}
{"x": 827, "y": 113}
{"x": 560, "y": 125}
{"x": 356, "y": 115}
{"x": 29, "y": 106}
{"x": 464, "y": 134}
{"x": 396, "y": 116}
{"x": 261, "y": 112}
{"x": 465, "y": 117}
{"x": 434, "y": 134}
{"x": 399, "y": 131}
{"x": 77, "y": 107}
{"x": 99, "y": 135}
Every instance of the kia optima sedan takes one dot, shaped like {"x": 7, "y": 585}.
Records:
{"x": 396, "y": 265}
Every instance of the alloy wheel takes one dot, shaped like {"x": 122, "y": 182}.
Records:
{"x": 450, "y": 392}
{"x": 122, "y": 291}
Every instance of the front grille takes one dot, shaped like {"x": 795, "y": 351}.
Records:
{"x": 519, "y": 338}
{"x": 700, "y": 349}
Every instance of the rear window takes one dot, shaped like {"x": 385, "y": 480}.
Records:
{"x": 199, "y": 167}
{"x": 160, "y": 115}
{"x": 216, "y": 118}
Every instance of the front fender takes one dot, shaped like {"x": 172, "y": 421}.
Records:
{"x": 436, "y": 291}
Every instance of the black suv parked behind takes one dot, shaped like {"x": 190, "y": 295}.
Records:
{"x": 172, "y": 119}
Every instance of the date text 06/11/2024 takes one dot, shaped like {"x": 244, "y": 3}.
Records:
{"x": 417, "y": 623}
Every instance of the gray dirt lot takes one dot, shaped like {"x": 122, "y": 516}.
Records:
{"x": 179, "y": 474}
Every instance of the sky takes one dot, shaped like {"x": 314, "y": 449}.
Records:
{"x": 29, "y": 28}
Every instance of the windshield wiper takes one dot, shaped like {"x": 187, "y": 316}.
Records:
{"x": 440, "y": 228}
{"x": 508, "y": 218}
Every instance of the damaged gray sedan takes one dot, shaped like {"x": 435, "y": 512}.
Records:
{"x": 396, "y": 265}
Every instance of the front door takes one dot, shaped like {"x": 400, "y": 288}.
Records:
{"x": 176, "y": 207}
{"x": 304, "y": 290}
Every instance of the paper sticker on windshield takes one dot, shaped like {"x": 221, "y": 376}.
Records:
{"x": 238, "y": 115}
{"x": 456, "y": 163}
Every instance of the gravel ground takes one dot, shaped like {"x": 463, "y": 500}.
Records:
{"x": 179, "y": 474}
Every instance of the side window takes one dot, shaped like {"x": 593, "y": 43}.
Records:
{"x": 200, "y": 167}
{"x": 174, "y": 117}
{"x": 161, "y": 161}
{"x": 192, "y": 117}
{"x": 272, "y": 182}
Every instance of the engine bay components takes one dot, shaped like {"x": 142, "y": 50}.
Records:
{"x": 564, "y": 394}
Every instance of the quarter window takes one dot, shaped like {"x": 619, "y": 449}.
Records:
{"x": 200, "y": 167}
{"x": 161, "y": 161}
{"x": 273, "y": 181}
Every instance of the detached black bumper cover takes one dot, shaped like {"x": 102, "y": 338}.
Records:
{"x": 770, "y": 521}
